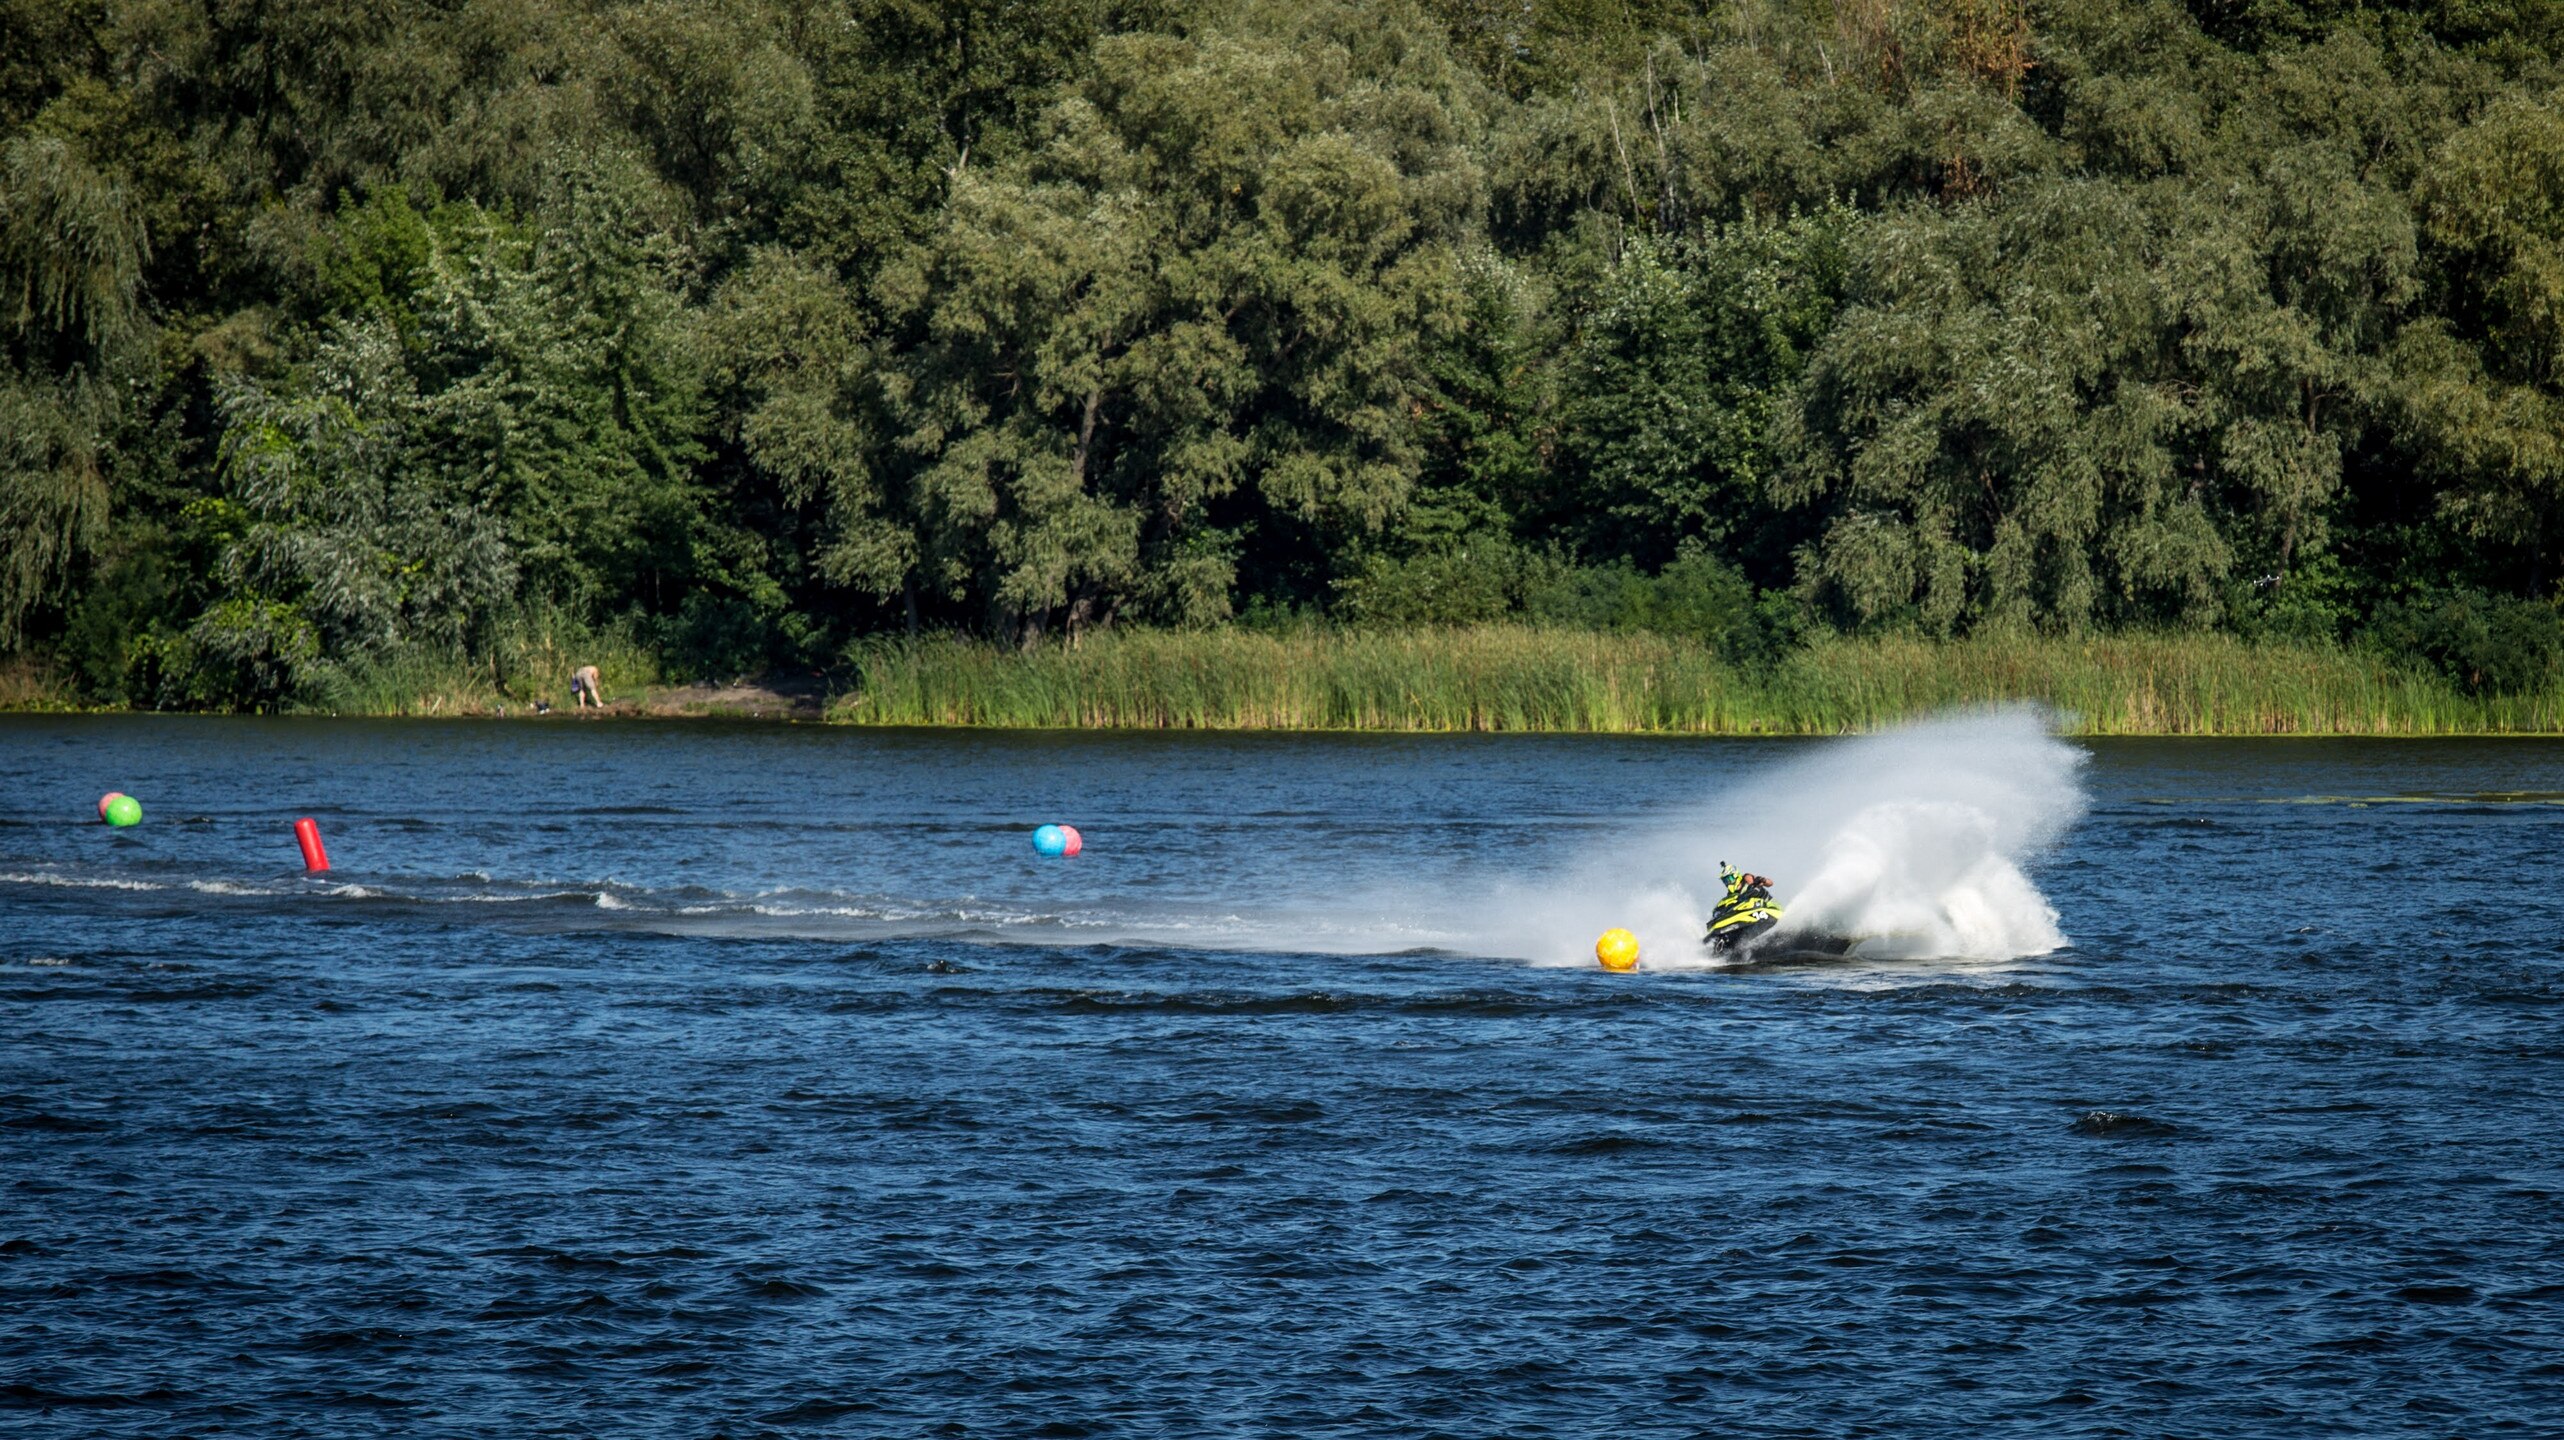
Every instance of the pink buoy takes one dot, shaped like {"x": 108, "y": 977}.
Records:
{"x": 110, "y": 798}
{"x": 307, "y": 835}
{"x": 1076, "y": 842}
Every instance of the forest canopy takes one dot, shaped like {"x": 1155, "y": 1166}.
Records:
{"x": 754, "y": 328}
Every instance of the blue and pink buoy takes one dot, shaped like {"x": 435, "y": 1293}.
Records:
{"x": 1054, "y": 842}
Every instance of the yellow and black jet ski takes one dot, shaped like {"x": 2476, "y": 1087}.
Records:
{"x": 1747, "y": 913}
{"x": 1744, "y": 913}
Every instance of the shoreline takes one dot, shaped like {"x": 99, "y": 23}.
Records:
{"x": 635, "y": 715}
{"x": 1515, "y": 679}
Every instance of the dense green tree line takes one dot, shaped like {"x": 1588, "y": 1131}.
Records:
{"x": 752, "y": 327}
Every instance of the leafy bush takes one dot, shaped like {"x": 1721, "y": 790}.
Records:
{"x": 2316, "y": 602}
{"x": 1486, "y": 579}
{"x": 1697, "y": 597}
{"x": 717, "y": 637}
{"x": 2489, "y": 644}
{"x": 109, "y": 633}
{"x": 1467, "y": 582}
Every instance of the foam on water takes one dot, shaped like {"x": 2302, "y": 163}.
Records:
{"x": 75, "y": 882}
{"x": 230, "y": 887}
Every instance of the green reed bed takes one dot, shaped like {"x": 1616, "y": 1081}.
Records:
{"x": 1495, "y": 678}
{"x": 2148, "y": 685}
{"x": 1527, "y": 678}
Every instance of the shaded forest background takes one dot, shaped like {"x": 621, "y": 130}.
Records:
{"x": 741, "y": 330}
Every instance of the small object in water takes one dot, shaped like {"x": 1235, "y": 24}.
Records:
{"x": 1617, "y": 950}
{"x": 108, "y": 799}
{"x": 1054, "y": 841}
{"x": 121, "y": 811}
{"x": 307, "y": 835}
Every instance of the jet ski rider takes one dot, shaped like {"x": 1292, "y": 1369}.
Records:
{"x": 1745, "y": 912}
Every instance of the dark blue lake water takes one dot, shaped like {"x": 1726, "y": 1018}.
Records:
{"x": 726, "y": 1079}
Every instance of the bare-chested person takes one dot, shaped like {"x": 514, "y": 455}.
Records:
{"x": 583, "y": 688}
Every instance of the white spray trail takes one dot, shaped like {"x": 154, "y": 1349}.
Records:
{"x": 1910, "y": 842}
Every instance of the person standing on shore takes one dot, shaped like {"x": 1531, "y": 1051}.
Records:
{"x": 583, "y": 688}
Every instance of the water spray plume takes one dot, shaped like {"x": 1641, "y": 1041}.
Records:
{"x": 1911, "y": 842}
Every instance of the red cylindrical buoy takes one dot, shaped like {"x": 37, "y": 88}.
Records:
{"x": 307, "y": 835}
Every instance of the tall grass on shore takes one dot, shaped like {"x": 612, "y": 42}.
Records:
{"x": 26, "y": 684}
{"x": 1504, "y": 677}
{"x": 2149, "y": 685}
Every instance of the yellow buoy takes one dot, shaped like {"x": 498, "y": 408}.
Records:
{"x": 1617, "y": 950}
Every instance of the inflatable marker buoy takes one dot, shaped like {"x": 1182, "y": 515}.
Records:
{"x": 122, "y": 810}
{"x": 307, "y": 835}
{"x": 110, "y": 798}
{"x": 1055, "y": 841}
{"x": 1617, "y": 950}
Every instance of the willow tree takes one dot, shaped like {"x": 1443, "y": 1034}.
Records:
{"x": 1196, "y": 306}
{"x": 797, "y": 378}
{"x": 494, "y": 402}
{"x": 342, "y": 538}
{"x": 71, "y": 340}
{"x": 2485, "y": 381}
{"x": 561, "y": 386}
{"x": 1677, "y": 385}
{"x": 2124, "y": 391}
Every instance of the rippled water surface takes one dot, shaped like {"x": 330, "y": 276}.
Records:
{"x": 693, "y": 1080}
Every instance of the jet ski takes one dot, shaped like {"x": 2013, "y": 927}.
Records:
{"x": 1741, "y": 919}
{"x": 1745, "y": 927}
{"x": 1745, "y": 913}
{"x": 1756, "y": 943}
{"x": 1786, "y": 949}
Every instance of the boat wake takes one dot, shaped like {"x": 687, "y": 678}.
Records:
{"x": 1912, "y": 844}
